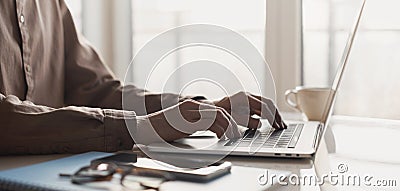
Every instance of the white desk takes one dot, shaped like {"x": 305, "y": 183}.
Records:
{"x": 365, "y": 146}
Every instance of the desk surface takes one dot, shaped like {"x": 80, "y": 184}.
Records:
{"x": 363, "y": 146}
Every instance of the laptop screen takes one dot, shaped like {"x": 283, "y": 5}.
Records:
{"x": 341, "y": 68}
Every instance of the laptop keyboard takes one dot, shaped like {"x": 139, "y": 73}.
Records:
{"x": 286, "y": 138}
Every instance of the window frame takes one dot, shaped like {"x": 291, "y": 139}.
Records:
{"x": 283, "y": 45}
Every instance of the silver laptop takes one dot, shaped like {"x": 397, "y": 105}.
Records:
{"x": 299, "y": 140}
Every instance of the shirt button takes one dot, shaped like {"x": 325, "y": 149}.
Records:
{"x": 28, "y": 68}
{"x": 22, "y": 19}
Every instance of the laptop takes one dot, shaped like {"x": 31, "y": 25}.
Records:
{"x": 299, "y": 140}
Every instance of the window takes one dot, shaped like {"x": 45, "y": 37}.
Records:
{"x": 370, "y": 86}
{"x": 107, "y": 26}
{"x": 152, "y": 17}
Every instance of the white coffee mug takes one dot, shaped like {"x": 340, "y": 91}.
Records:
{"x": 312, "y": 102}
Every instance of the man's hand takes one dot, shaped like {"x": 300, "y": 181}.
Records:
{"x": 242, "y": 106}
{"x": 220, "y": 117}
{"x": 182, "y": 120}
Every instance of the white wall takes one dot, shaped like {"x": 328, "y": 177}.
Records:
{"x": 283, "y": 45}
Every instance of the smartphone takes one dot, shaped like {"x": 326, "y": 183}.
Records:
{"x": 204, "y": 174}
{"x": 118, "y": 159}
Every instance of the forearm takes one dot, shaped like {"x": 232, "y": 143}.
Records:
{"x": 32, "y": 129}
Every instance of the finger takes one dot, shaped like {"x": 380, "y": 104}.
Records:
{"x": 192, "y": 110}
{"x": 284, "y": 125}
{"x": 218, "y": 130}
{"x": 203, "y": 113}
{"x": 248, "y": 121}
{"x": 202, "y": 120}
{"x": 233, "y": 127}
{"x": 192, "y": 120}
{"x": 259, "y": 108}
{"x": 254, "y": 123}
{"x": 279, "y": 119}
{"x": 208, "y": 113}
{"x": 222, "y": 122}
{"x": 209, "y": 117}
{"x": 274, "y": 117}
{"x": 272, "y": 107}
{"x": 267, "y": 101}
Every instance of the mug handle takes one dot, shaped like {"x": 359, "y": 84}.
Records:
{"x": 289, "y": 101}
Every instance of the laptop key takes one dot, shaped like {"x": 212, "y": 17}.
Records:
{"x": 232, "y": 142}
{"x": 268, "y": 139}
{"x": 286, "y": 136}
{"x": 268, "y": 145}
{"x": 296, "y": 136}
{"x": 249, "y": 133}
{"x": 244, "y": 144}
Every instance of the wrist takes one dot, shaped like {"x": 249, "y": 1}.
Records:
{"x": 117, "y": 124}
{"x": 144, "y": 133}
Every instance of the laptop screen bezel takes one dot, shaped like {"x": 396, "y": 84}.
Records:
{"x": 338, "y": 78}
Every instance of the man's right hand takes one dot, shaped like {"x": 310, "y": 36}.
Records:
{"x": 183, "y": 119}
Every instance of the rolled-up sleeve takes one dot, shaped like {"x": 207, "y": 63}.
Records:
{"x": 33, "y": 129}
{"x": 86, "y": 110}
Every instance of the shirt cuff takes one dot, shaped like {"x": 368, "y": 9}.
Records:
{"x": 116, "y": 133}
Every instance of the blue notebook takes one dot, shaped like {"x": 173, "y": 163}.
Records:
{"x": 45, "y": 176}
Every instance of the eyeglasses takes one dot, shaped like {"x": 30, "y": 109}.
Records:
{"x": 131, "y": 177}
